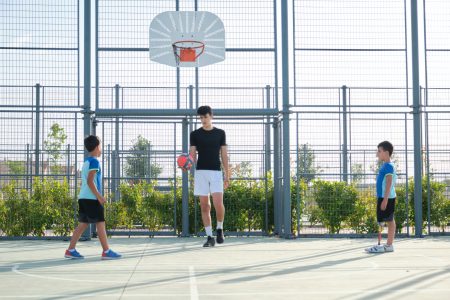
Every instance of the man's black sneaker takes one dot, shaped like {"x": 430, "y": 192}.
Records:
{"x": 210, "y": 242}
{"x": 219, "y": 236}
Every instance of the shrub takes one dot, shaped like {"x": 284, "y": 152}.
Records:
{"x": 364, "y": 217}
{"x": 336, "y": 201}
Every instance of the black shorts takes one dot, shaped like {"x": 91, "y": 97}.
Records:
{"x": 387, "y": 214}
{"x": 90, "y": 211}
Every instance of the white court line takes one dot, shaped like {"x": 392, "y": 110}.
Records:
{"x": 15, "y": 269}
{"x": 193, "y": 283}
{"x": 222, "y": 294}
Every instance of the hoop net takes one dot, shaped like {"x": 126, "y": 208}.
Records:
{"x": 187, "y": 51}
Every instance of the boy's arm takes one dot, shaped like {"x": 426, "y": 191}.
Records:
{"x": 90, "y": 182}
{"x": 387, "y": 191}
{"x": 224, "y": 154}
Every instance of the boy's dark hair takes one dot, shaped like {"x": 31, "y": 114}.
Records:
{"x": 387, "y": 146}
{"x": 91, "y": 142}
{"x": 204, "y": 110}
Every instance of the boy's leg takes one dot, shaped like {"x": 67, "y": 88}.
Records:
{"x": 391, "y": 232}
{"x": 101, "y": 233}
{"x": 77, "y": 234}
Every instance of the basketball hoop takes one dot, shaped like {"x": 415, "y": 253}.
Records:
{"x": 181, "y": 46}
{"x": 187, "y": 51}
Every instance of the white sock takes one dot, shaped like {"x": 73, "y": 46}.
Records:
{"x": 219, "y": 225}
{"x": 208, "y": 230}
{"x": 106, "y": 251}
{"x": 71, "y": 250}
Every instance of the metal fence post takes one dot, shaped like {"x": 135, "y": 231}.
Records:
{"x": 87, "y": 84}
{"x": 287, "y": 233}
{"x": 185, "y": 183}
{"x": 417, "y": 116}
{"x": 116, "y": 164}
{"x": 344, "y": 134}
{"x": 407, "y": 177}
{"x": 28, "y": 169}
{"x": 267, "y": 154}
{"x": 38, "y": 131}
{"x": 276, "y": 177}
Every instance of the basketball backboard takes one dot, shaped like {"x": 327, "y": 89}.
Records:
{"x": 187, "y": 39}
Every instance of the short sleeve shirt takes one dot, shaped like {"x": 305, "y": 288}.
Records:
{"x": 208, "y": 144}
{"x": 90, "y": 164}
{"x": 385, "y": 170}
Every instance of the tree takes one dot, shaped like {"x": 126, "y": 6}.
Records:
{"x": 56, "y": 138}
{"x": 16, "y": 167}
{"x": 305, "y": 163}
{"x": 139, "y": 163}
{"x": 357, "y": 172}
{"x": 241, "y": 170}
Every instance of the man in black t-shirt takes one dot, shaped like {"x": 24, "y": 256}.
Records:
{"x": 210, "y": 144}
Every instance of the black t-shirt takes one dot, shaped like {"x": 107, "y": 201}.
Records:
{"x": 208, "y": 144}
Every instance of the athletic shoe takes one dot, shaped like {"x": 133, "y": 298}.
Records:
{"x": 388, "y": 248}
{"x": 219, "y": 236}
{"x": 376, "y": 249}
{"x": 74, "y": 254}
{"x": 210, "y": 242}
{"x": 111, "y": 255}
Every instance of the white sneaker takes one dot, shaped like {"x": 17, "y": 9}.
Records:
{"x": 376, "y": 249}
{"x": 388, "y": 248}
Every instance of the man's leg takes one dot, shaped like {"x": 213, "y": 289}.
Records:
{"x": 206, "y": 210}
{"x": 220, "y": 215}
{"x": 218, "y": 206}
{"x": 206, "y": 217}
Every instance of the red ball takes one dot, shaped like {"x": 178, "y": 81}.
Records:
{"x": 185, "y": 161}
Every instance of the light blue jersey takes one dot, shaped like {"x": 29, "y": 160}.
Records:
{"x": 385, "y": 170}
{"x": 90, "y": 164}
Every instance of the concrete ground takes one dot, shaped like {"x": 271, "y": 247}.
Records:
{"x": 242, "y": 268}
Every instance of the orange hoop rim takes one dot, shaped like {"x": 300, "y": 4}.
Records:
{"x": 175, "y": 47}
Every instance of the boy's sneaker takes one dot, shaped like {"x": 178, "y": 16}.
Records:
{"x": 219, "y": 236}
{"x": 74, "y": 254}
{"x": 210, "y": 242}
{"x": 110, "y": 255}
{"x": 388, "y": 248}
{"x": 376, "y": 249}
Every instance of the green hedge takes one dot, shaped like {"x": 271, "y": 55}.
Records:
{"x": 439, "y": 204}
{"x": 50, "y": 208}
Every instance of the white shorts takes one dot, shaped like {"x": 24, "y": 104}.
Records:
{"x": 207, "y": 182}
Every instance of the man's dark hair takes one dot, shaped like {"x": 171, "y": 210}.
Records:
{"x": 387, "y": 146}
{"x": 204, "y": 110}
{"x": 91, "y": 142}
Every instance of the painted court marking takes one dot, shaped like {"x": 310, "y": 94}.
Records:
{"x": 193, "y": 283}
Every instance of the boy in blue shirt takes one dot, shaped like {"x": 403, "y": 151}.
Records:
{"x": 386, "y": 195}
{"x": 90, "y": 202}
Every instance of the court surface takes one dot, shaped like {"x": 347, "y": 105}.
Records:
{"x": 242, "y": 268}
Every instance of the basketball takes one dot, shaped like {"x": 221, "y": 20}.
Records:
{"x": 185, "y": 161}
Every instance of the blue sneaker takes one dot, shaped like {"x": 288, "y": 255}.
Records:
{"x": 111, "y": 255}
{"x": 73, "y": 254}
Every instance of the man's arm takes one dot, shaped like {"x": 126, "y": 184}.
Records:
{"x": 193, "y": 153}
{"x": 224, "y": 154}
{"x": 387, "y": 191}
{"x": 90, "y": 182}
